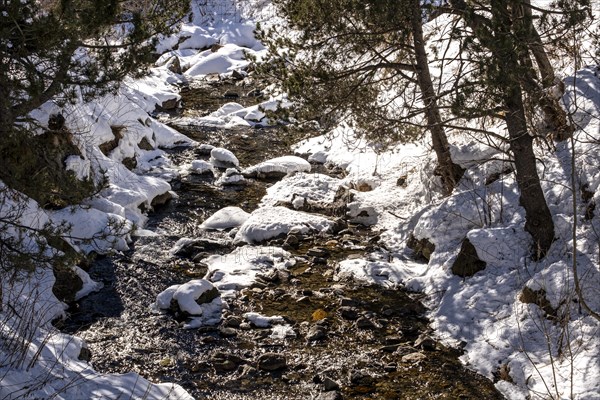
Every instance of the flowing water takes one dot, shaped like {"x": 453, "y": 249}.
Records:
{"x": 346, "y": 340}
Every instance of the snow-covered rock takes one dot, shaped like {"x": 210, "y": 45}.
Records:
{"x": 231, "y": 177}
{"x": 225, "y": 218}
{"x": 201, "y": 167}
{"x": 197, "y": 298}
{"x": 223, "y": 158}
{"x": 271, "y": 222}
{"x": 238, "y": 269}
{"x": 277, "y": 167}
{"x": 263, "y": 321}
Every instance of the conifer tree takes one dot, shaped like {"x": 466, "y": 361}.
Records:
{"x": 365, "y": 62}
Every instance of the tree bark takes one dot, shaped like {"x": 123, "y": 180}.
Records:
{"x": 446, "y": 169}
{"x": 538, "y": 220}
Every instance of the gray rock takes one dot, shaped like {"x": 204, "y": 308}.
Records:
{"x": 329, "y": 384}
{"x": 425, "y": 342}
{"x": 316, "y": 332}
{"x": 330, "y": 396}
{"x": 271, "y": 362}
{"x": 350, "y": 313}
{"x": 365, "y": 323}
{"x": 467, "y": 262}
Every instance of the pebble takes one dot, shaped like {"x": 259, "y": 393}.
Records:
{"x": 227, "y": 332}
{"x": 329, "y": 384}
{"x": 271, "y": 362}
{"x": 330, "y": 396}
{"x": 316, "y": 333}
{"x": 365, "y": 323}
{"x": 350, "y": 313}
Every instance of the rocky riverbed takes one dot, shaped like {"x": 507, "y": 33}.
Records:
{"x": 337, "y": 338}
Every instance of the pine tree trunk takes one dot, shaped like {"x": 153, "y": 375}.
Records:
{"x": 446, "y": 169}
{"x": 555, "y": 117}
{"x": 538, "y": 220}
{"x": 537, "y": 215}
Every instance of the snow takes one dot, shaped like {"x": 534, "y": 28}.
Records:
{"x": 201, "y": 167}
{"x": 226, "y": 218}
{"x": 303, "y": 187}
{"x": 186, "y": 295}
{"x": 223, "y": 158}
{"x": 270, "y": 222}
{"x": 262, "y": 321}
{"x": 282, "y": 165}
{"x": 484, "y": 310}
{"x": 239, "y": 269}
{"x": 89, "y": 285}
{"x": 231, "y": 176}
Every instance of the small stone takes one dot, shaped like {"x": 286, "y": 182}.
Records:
{"x": 224, "y": 366}
{"x": 350, "y": 313}
{"x": 233, "y": 321}
{"x": 329, "y": 384}
{"x": 227, "y": 332}
{"x": 317, "y": 252}
{"x": 238, "y": 75}
{"x": 365, "y": 323}
{"x": 271, "y": 362}
{"x": 330, "y": 396}
{"x": 390, "y": 367}
{"x": 414, "y": 358}
{"x": 316, "y": 333}
{"x": 231, "y": 95}
{"x": 425, "y": 342}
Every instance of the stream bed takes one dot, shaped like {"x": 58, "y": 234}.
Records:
{"x": 347, "y": 340}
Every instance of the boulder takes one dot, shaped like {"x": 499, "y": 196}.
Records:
{"x": 467, "y": 262}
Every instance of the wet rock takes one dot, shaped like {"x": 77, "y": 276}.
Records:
{"x": 425, "y": 342}
{"x": 350, "y": 313}
{"x": 233, "y": 321}
{"x": 316, "y": 332}
{"x": 402, "y": 181}
{"x": 359, "y": 377}
{"x": 318, "y": 252}
{"x": 144, "y": 144}
{"x": 319, "y": 261}
{"x": 130, "y": 163}
{"x": 423, "y": 248}
{"x": 231, "y": 94}
{"x": 394, "y": 339}
{"x": 467, "y": 263}
{"x": 390, "y": 348}
{"x": 329, "y": 384}
{"x": 227, "y": 332}
{"x": 538, "y": 297}
{"x": 272, "y": 362}
{"x": 392, "y": 367}
{"x": 364, "y": 323}
{"x": 162, "y": 199}
{"x": 414, "y": 358}
{"x": 238, "y": 75}
{"x": 85, "y": 354}
{"x": 174, "y": 65}
{"x": 67, "y": 284}
{"x": 170, "y": 104}
{"x": 330, "y": 396}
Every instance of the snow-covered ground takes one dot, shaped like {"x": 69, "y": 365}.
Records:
{"x": 399, "y": 195}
